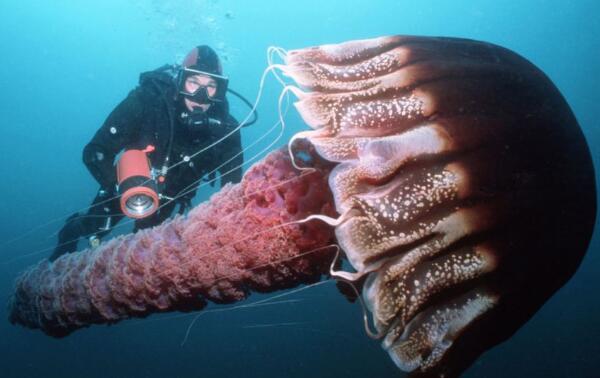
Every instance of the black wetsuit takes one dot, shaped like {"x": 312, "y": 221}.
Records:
{"x": 150, "y": 115}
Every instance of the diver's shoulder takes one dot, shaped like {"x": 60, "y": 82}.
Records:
{"x": 165, "y": 75}
{"x": 156, "y": 84}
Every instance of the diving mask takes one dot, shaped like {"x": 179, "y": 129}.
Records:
{"x": 201, "y": 87}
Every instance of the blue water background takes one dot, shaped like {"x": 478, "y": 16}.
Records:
{"x": 66, "y": 64}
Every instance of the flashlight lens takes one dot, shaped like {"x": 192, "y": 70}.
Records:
{"x": 139, "y": 204}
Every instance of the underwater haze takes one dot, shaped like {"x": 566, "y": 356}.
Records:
{"x": 67, "y": 64}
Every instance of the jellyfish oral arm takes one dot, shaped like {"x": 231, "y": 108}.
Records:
{"x": 246, "y": 238}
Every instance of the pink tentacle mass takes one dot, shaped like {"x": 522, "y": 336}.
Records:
{"x": 243, "y": 239}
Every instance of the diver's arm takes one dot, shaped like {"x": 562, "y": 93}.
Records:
{"x": 119, "y": 130}
{"x": 232, "y": 146}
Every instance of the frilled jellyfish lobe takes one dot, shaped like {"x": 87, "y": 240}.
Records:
{"x": 464, "y": 181}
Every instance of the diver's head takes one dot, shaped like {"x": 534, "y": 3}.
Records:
{"x": 197, "y": 90}
{"x": 200, "y": 81}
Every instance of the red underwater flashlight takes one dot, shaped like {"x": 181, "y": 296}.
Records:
{"x": 137, "y": 188}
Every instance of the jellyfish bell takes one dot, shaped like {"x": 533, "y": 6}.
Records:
{"x": 465, "y": 182}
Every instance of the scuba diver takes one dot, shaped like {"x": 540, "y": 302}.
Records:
{"x": 161, "y": 140}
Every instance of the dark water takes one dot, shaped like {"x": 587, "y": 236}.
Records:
{"x": 66, "y": 64}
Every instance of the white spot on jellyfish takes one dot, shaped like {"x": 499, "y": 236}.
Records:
{"x": 113, "y": 130}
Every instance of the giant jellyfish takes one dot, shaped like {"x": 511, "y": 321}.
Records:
{"x": 451, "y": 175}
